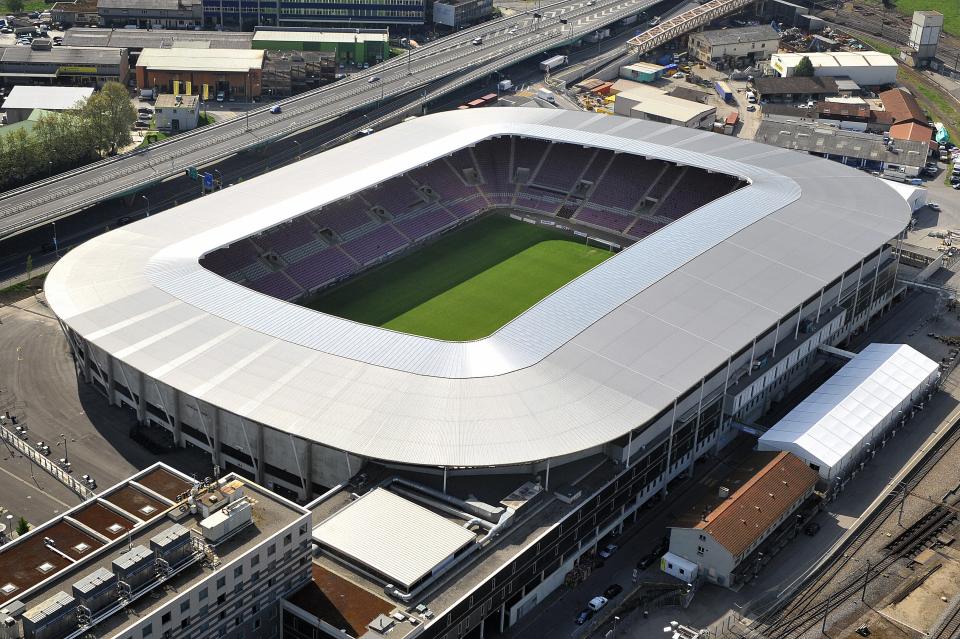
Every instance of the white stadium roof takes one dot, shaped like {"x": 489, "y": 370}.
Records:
{"x": 592, "y": 361}
{"x": 846, "y": 409}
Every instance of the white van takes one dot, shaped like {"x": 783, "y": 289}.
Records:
{"x": 146, "y": 94}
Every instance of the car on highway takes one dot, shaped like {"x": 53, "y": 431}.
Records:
{"x": 591, "y": 3}
{"x": 608, "y": 551}
{"x": 367, "y": 131}
{"x": 275, "y": 109}
{"x": 597, "y": 603}
{"x": 478, "y": 41}
{"x": 612, "y": 591}
{"x": 373, "y": 78}
{"x": 583, "y": 617}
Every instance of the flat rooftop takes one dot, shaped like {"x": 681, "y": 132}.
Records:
{"x": 339, "y": 602}
{"x": 392, "y": 536}
{"x": 22, "y": 560}
{"x": 138, "y": 39}
{"x": 49, "y": 98}
{"x": 194, "y": 59}
{"x": 530, "y": 522}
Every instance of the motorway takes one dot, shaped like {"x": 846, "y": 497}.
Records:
{"x": 505, "y": 42}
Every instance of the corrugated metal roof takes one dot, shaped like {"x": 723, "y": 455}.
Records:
{"x": 49, "y": 98}
{"x": 587, "y": 364}
{"x": 395, "y": 536}
{"x": 837, "y": 417}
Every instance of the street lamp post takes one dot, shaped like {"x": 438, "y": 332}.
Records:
{"x": 147, "y": 200}
{"x": 298, "y": 149}
{"x": 66, "y": 455}
{"x": 56, "y": 246}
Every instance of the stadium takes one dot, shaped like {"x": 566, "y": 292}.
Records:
{"x": 475, "y": 296}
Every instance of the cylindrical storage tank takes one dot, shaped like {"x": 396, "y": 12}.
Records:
{"x": 96, "y": 591}
{"x": 54, "y": 618}
{"x": 135, "y": 567}
{"x": 172, "y": 545}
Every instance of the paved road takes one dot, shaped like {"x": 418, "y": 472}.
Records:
{"x": 37, "y": 375}
{"x": 505, "y": 41}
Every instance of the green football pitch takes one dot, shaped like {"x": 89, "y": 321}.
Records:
{"x": 466, "y": 285}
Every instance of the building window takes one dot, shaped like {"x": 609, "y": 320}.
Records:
{"x": 165, "y": 618}
{"x": 255, "y": 561}
{"x": 185, "y": 606}
{"x": 237, "y": 572}
{"x": 287, "y": 539}
{"x": 147, "y": 630}
{"x": 221, "y": 582}
{"x": 271, "y": 550}
{"x": 700, "y": 550}
{"x": 203, "y": 594}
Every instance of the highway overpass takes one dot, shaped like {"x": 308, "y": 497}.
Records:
{"x": 425, "y": 73}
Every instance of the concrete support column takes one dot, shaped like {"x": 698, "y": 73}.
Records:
{"x": 109, "y": 373}
{"x": 873, "y": 290}
{"x": 546, "y": 482}
{"x": 856, "y": 295}
{"x": 177, "y": 424}
{"x": 696, "y": 427}
{"x": 820, "y": 304}
{"x": 503, "y": 614}
{"x": 141, "y": 397}
{"x": 308, "y": 471}
{"x": 260, "y": 447}
{"x": 776, "y": 338}
{"x": 723, "y": 405}
{"x": 217, "y": 437}
{"x": 673, "y": 417}
{"x": 86, "y": 362}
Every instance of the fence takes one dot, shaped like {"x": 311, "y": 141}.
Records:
{"x": 37, "y": 458}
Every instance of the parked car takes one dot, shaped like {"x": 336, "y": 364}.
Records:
{"x": 934, "y": 206}
{"x": 220, "y": 96}
{"x": 6, "y": 30}
{"x": 140, "y": 124}
{"x": 275, "y": 109}
{"x": 597, "y": 603}
{"x": 145, "y": 111}
{"x": 583, "y": 617}
{"x": 811, "y": 529}
{"x": 612, "y": 591}
{"x": 646, "y": 561}
{"x": 608, "y": 551}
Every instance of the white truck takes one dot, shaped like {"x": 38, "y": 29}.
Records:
{"x": 505, "y": 85}
{"x": 552, "y": 63}
{"x": 547, "y": 94}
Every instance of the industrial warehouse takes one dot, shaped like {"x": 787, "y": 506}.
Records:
{"x": 722, "y": 280}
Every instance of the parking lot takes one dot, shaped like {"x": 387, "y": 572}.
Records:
{"x": 38, "y": 379}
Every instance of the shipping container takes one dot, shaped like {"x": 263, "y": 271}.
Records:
{"x": 552, "y": 63}
{"x": 474, "y": 104}
{"x": 723, "y": 90}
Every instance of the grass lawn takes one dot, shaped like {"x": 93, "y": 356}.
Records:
{"x": 876, "y": 45}
{"x": 152, "y": 136}
{"x": 466, "y": 285}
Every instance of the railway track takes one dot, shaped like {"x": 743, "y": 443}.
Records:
{"x": 796, "y": 615}
{"x": 950, "y": 627}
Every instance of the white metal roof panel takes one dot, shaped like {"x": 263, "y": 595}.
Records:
{"x": 587, "y": 364}
{"x": 834, "y": 419}
{"x": 395, "y": 536}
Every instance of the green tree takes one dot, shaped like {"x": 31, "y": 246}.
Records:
{"x": 23, "y": 155}
{"x": 804, "y": 68}
{"x": 23, "y": 526}
{"x": 15, "y": 6}
{"x": 110, "y": 114}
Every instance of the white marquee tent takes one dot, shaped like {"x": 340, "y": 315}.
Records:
{"x": 830, "y": 427}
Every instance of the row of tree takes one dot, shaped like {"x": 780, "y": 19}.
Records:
{"x": 66, "y": 140}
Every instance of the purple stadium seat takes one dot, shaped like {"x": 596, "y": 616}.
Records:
{"x": 324, "y": 267}
{"x": 375, "y": 244}
{"x": 418, "y": 226}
